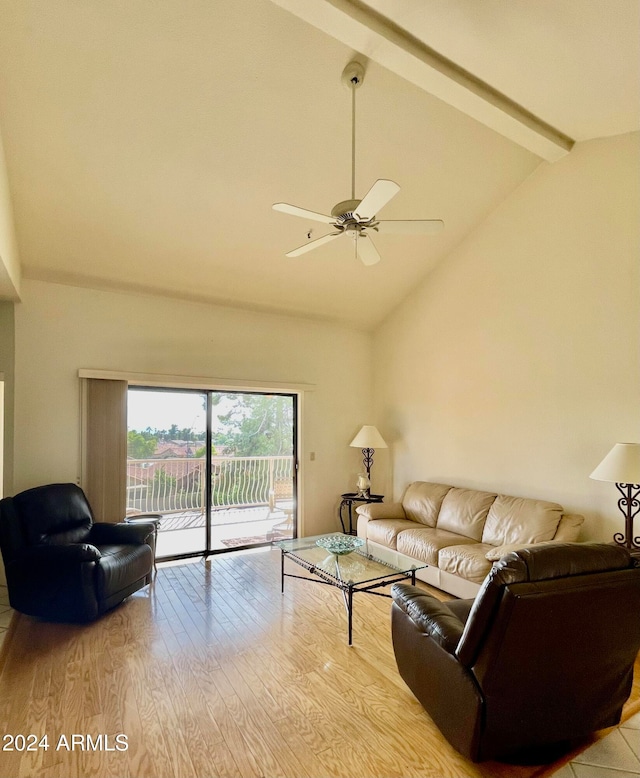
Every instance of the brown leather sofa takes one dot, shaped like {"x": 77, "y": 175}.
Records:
{"x": 543, "y": 655}
{"x": 63, "y": 566}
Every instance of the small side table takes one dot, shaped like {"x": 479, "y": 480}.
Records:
{"x": 635, "y": 555}
{"x": 149, "y": 518}
{"x": 348, "y": 499}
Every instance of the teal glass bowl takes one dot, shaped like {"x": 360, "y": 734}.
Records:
{"x": 340, "y": 544}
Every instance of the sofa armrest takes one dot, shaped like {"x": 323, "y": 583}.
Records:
{"x": 381, "y": 510}
{"x": 55, "y": 582}
{"x": 377, "y": 510}
{"x": 43, "y": 565}
{"x": 135, "y": 534}
{"x": 430, "y": 615}
{"x": 73, "y": 553}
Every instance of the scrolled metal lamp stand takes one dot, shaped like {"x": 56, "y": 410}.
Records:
{"x": 629, "y": 504}
{"x": 367, "y": 461}
{"x": 368, "y": 453}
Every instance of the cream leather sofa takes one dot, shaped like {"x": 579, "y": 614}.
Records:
{"x": 459, "y": 533}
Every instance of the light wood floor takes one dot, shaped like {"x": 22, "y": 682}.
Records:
{"x": 212, "y": 672}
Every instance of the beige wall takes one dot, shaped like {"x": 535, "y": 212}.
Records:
{"x": 516, "y": 365}
{"x": 9, "y": 290}
{"x": 7, "y": 362}
{"x": 9, "y": 262}
{"x": 60, "y": 329}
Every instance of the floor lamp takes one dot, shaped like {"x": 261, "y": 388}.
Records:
{"x": 622, "y": 467}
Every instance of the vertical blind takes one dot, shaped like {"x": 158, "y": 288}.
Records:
{"x": 105, "y": 448}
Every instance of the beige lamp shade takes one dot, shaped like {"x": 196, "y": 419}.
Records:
{"x": 368, "y": 437}
{"x": 621, "y": 465}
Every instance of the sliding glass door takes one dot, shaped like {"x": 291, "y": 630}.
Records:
{"x": 220, "y": 467}
{"x": 253, "y": 473}
{"x": 166, "y": 465}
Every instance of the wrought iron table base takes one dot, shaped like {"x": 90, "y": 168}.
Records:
{"x": 348, "y": 588}
{"x": 347, "y": 501}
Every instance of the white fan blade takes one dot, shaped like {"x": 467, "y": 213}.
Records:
{"x": 293, "y": 210}
{"x": 377, "y": 197}
{"x": 367, "y": 252}
{"x": 409, "y": 226}
{"x": 313, "y": 244}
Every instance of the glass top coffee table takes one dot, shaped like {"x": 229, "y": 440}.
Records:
{"x": 356, "y": 571}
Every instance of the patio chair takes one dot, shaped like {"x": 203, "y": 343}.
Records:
{"x": 281, "y": 501}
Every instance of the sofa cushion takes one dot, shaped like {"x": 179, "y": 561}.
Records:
{"x": 425, "y": 543}
{"x": 422, "y": 501}
{"x": 520, "y": 520}
{"x": 465, "y": 511}
{"x": 569, "y": 527}
{"x": 466, "y": 561}
{"x": 385, "y": 531}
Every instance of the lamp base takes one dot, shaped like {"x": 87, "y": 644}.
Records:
{"x": 364, "y": 486}
{"x": 629, "y": 505}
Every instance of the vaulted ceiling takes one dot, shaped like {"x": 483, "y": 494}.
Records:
{"x": 146, "y": 142}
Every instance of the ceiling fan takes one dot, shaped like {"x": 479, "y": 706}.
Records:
{"x": 358, "y": 218}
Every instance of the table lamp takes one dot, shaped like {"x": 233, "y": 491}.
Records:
{"x": 368, "y": 439}
{"x": 622, "y": 467}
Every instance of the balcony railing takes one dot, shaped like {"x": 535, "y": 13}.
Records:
{"x": 177, "y": 485}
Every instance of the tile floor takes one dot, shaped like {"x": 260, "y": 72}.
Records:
{"x": 615, "y": 756}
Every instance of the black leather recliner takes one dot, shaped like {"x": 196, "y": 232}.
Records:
{"x": 63, "y": 566}
{"x": 542, "y": 656}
